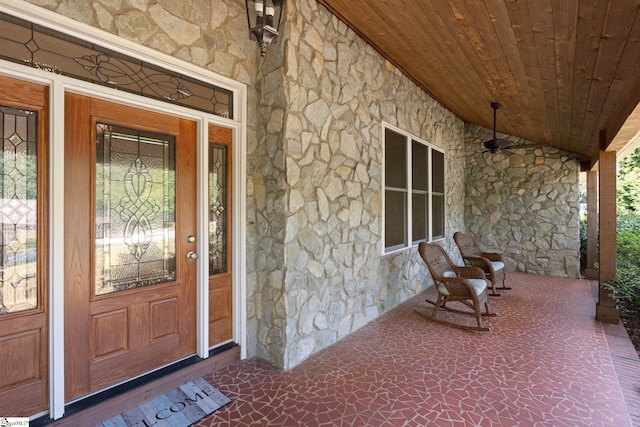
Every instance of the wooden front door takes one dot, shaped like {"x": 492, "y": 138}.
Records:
{"x": 130, "y": 227}
{"x": 23, "y": 256}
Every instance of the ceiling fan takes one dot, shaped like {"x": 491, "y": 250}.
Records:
{"x": 496, "y": 145}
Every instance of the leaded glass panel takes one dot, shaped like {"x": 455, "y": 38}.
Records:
{"x": 46, "y": 49}
{"x": 217, "y": 209}
{"x": 18, "y": 210}
{"x": 135, "y": 209}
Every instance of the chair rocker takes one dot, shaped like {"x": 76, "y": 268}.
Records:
{"x": 467, "y": 285}
{"x": 491, "y": 263}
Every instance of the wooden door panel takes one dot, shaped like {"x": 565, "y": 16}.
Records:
{"x": 23, "y": 308}
{"x": 220, "y": 300}
{"x": 186, "y": 226}
{"x": 220, "y": 309}
{"x": 110, "y": 333}
{"x": 136, "y": 296}
{"x": 77, "y": 251}
{"x": 131, "y": 327}
{"x": 20, "y": 355}
{"x": 163, "y": 319}
{"x": 124, "y": 115}
{"x": 110, "y": 370}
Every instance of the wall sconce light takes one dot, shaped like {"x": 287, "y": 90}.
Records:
{"x": 264, "y": 18}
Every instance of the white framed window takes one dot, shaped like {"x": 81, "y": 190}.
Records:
{"x": 414, "y": 190}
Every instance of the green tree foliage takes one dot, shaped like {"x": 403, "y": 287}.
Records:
{"x": 629, "y": 183}
{"x": 626, "y": 285}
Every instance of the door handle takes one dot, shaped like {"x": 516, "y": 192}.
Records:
{"x": 192, "y": 255}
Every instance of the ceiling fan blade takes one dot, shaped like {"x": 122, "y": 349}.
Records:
{"x": 504, "y": 143}
{"x": 489, "y": 144}
{"x": 531, "y": 145}
{"x": 504, "y": 151}
{"x": 495, "y": 143}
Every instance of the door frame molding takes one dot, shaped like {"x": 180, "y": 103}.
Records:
{"x": 58, "y": 85}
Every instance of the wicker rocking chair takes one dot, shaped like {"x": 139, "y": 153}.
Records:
{"x": 491, "y": 263}
{"x": 467, "y": 285}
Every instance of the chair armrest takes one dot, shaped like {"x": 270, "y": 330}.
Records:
{"x": 469, "y": 272}
{"x": 493, "y": 256}
{"x": 481, "y": 262}
{"x": 477, "y": 259}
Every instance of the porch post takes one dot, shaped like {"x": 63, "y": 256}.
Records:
{"x": 591, "y": 271}
{"x": 606, "y": 310}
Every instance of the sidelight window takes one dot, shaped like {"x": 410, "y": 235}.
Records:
{"x": 18, "y": 210}
{"x": 218, "y": 223}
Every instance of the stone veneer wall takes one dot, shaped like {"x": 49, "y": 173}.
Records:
{"x": 524, "y": 205}
{"x": 316, "y": 104}
{"x": 339, "y": 91}
{"x": 267, "y": 193}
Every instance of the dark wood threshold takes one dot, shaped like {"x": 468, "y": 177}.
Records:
{"x": 107, "y": 404}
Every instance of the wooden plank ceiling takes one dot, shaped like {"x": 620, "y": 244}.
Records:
{"x": 563, "y": 70}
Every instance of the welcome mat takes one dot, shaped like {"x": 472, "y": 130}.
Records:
{"x": 181, "y": 407}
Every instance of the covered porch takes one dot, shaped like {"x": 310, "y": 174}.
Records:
{"x": 545, "y": 362}
{"x": 317, "y": 121}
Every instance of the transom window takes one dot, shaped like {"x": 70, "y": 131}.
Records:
{"x": 414, "y": 196}
{"x": 29, "y": 44}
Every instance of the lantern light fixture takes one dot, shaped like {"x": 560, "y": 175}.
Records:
{"x": 264, "y": 18}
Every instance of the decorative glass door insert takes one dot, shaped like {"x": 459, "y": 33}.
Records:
{"x": 217, "y": 209}
{"x": 135, "y": 209}
{"x": 18, "y": 210}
